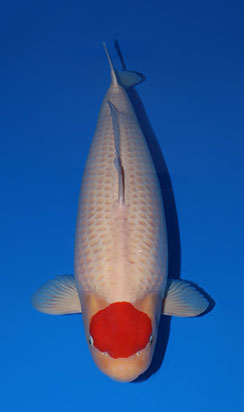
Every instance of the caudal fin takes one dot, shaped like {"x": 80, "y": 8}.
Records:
{"x": 125, "y": 78}
{"x": 114, "y": 78}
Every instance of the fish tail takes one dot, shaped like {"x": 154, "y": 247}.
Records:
{"x": 125, "y": 78}
{"x": 114, "y": 78}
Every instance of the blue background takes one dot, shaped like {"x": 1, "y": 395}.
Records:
{"x": 54, "y": 75}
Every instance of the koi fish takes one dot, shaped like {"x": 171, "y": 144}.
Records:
{"x": 120, "y": 280}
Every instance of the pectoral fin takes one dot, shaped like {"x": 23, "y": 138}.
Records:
{"x": 58, "y": 296}
{"x": 185, "y": 299}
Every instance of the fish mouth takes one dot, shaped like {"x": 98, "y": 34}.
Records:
{"x": 124, "y": 369}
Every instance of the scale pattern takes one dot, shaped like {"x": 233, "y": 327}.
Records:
{"x": 120, "y": 250}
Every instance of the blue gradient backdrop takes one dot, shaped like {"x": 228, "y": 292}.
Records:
{"x": 54, "y": 75}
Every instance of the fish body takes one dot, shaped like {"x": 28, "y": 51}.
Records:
{"x": 121, "y": 254}
{"x": 120, "y": 247}
{"x": 121, "y": 238}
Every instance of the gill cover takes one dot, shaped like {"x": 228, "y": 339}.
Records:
{"x": 120, "y": 329}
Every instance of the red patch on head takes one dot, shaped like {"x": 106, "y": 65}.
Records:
{"x": 120, "y": 329}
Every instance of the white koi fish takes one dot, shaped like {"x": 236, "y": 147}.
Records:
{"x": 121, "y": 254}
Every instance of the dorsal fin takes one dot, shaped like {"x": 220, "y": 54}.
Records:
{"x": 117, "y": 161}
{"x": 114, "y": 78}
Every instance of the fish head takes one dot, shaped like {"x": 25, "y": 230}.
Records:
{"x": 122, "y": 335}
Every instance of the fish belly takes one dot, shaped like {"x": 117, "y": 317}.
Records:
{"x": 120, "y": 249}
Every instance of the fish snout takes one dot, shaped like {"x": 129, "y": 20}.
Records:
{"x": 123, "y": 369}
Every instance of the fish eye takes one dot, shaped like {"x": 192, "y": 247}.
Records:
{"x": 151, "y": 339}
{"x": 90, "y": 340}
